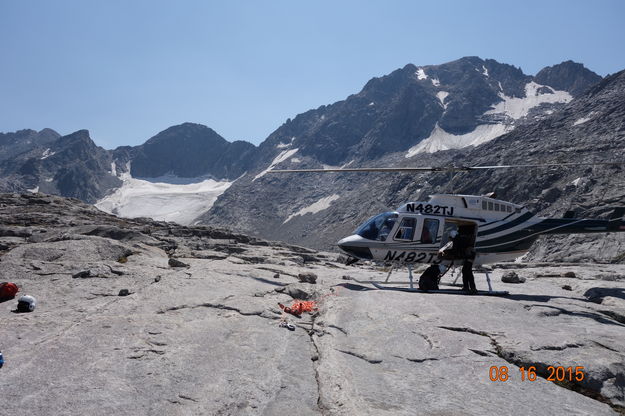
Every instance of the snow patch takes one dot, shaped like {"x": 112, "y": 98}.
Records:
{"x": 33, "y": 190}
{"x": 520, "y": 107}
{"x": 48, "y": 179}
{"x": 278, "y": 159}
{"x": 113, "y": 169}
{"x": 295, "y": 160}
{"x": 441, "y": 95}
{"x": 584, "y": 119}
{"x": 421, "y": 74}
{"x": 436, "y": 82}
{"x": 283, "y": 145}
{"x": 181, "y": 202}
{"x": 371, "y": 103}
{"x": 323, "y": 203}
{"x": 46, "y": 154}
{"x": 484, "y": 71}
{"x": 439, "y": 139}
{"x": 576, "y": 181}
{"x": 521, "y": 259}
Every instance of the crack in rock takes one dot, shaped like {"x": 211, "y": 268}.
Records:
{"x": 613, "y": 315}
{"x": 480, "y": 352}
{"x": 218, "y": 306}
{"x": 541, "y": 369}
{"x": 338, "y": 328}
{"x": 314, "y": 358}
{"x": 361, "y": 356}
{"x": 556, "y": 347}
{"x": 425, "y": 337}
{"x": 606, "y": 347}
{"x": 463, "y": 329}
{"x": 421, "y": 360}
{"x": 182, "y": 396}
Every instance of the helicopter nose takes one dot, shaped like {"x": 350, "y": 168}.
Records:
{"x": 355, "y": 246}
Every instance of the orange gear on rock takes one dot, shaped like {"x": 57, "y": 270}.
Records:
{"x": 300, "y": 306}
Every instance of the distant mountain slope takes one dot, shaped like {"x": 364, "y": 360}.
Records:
{"x": 424, "y": 109}
{"x": 74, "y": 166}
{"x": 71, "y": 166}
{"x": 588, "y": 128}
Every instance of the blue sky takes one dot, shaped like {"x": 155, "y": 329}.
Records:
{"x": 126, "y": 70}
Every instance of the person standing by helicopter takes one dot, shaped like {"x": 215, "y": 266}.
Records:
{"x": 464, "y": 249}
{"x": 461, "y": 246}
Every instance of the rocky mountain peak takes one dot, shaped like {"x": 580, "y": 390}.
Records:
{"x": 186, "y": 132}
{"x": 12, "y": 144}
{"x": 190, "y": 150}
{"x": 80, "y": 138}
{"x": 568, "y": 76}
{"x": 48, "y": 135}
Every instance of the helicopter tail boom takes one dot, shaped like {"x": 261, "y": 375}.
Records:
{"x": 569, "y": 225}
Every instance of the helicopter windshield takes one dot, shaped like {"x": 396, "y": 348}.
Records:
{"x": 378, "y": 227}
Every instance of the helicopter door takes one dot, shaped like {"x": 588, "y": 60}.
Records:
{"x": 464, "y": 228}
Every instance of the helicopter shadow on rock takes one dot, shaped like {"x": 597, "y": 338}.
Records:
{"x": 539, "y": 298}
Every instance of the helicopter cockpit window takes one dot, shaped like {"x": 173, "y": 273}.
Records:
{"x": 430, "y": 231}
{"x": 406, "y": 229}
{"x": 378, "y": 227}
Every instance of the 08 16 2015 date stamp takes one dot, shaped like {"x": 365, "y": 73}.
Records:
{"x": 554, "y": 373}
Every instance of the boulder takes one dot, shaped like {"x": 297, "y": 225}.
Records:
{"x": 512, "y": 277}
{"x": 176, "y": 263}
{"x": 307, "y": 277}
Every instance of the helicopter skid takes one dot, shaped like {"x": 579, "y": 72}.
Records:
{"x": 444, "y": 291}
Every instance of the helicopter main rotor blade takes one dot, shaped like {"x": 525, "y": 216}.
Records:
{"x": 443, "y": 168}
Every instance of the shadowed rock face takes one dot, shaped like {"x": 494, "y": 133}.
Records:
{"x": 117, "y": 330}
{"x": 191, "y": 150}
{"x": 12, "y": 144}
{"x": 568, "y": 76}
{"x": 72, "y": 166}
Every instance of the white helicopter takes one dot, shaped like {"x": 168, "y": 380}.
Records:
{"x": 500, "y": 231}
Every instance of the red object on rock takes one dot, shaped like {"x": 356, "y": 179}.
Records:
{"x": 300, "y": 306}
{"x": 8, "y": 290}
